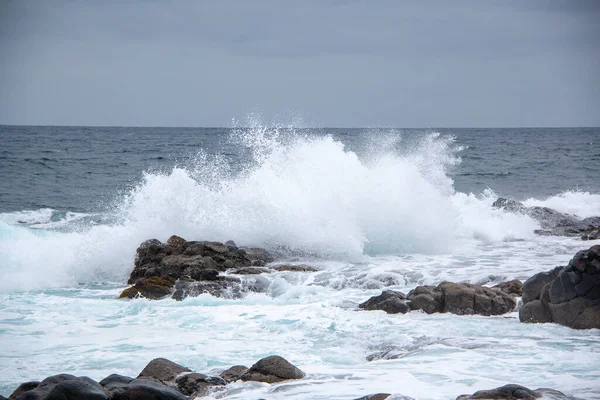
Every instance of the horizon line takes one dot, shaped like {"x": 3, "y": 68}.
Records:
{"x": 300, "y": 127}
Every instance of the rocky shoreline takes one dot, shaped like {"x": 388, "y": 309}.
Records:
{"x": 163, "y": 379}
{"x": 567, "y": 295}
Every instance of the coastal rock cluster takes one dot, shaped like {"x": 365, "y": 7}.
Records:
{"x": 161, "y": 379}
{"x": 567, "y": 295}
{"x": 552, "y": 222}
{"x": 448, "y": 297}
{"x": 180, "y": 268}
{"x": 506, "y": 392}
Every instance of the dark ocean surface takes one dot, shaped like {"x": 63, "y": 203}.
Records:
{"x": 83, "y": 169}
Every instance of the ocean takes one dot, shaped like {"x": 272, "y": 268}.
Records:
{"x": 369, "y": 208}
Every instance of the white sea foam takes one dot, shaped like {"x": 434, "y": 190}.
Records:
{"x": 581, "y": 204}
{"x": 305, "y": 193}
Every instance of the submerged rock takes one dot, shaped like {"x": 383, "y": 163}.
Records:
{"x": 272, "y": 369}
{"x": 514, "y": 392}
{"x": 179, "y": 268}
{"x": 390, "y": 301}
{"x": 552, "y": 222}
{"x": 568, "y": 295}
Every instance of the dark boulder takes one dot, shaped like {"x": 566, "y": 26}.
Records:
{"x": 568, "y": 295}
{"x": 249, "y": 271}
{"x": 272, "y": 369}
{"x": 234, "y": 373}
{"x": 145, "y": 389}
{"x": 552, "y": 222}
{"x": 163, "y": 370}
{"x": 23, "y": 387}
{"x": 513, "y": 288}
{"x": 64, "y": 386}
{"x": 153, "y": 288}
{"x": 461, "y": 299}
{"x": 513, "y": 392}
{"x": 295, "y": 268}
{"x": 179, "y": 268}
{"x": 390, "y": 301}
{"x": 198, "y": 384}
{"x": 376, "y": 396}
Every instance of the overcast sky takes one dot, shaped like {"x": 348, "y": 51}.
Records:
{"x": 329, "y": 62}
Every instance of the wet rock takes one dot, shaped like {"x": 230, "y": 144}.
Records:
{"x": 64, "y": 386}
{"x": 591, "y": 234}
{"x": 272, "y": 369}
{"x": 258, "y": 254}
{"x": 249, "y": 271}
{"x": 234, "y": 373}
{"x": 114, "y": 381}
{"x": 166, "y": 269}
{"x": 162, "y": 369}
{"x": 376, "y": 396}
{"x": 461, "y": 299}
{"x": 198, "y": 384}
{"x": 552, "y": 222}
{"x": 513, "y": 392}
{"x": 23, "y": 387}
{"x": 153, "y": 288}
{"x": 514, "y": 287}
{"x": 227, "y": 287}
{"x": 295, "y": 268}
{"x": 390, "y": 301}
{"x": 568, "y": 295}
{"x": 145, "y": 389}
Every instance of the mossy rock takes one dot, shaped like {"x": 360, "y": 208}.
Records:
{"x": 156, "y": 287}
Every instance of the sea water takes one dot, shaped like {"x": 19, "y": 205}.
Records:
{"x": 369, "y": 208}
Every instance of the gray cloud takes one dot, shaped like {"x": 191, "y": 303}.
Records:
{"x": 336, "y": 63}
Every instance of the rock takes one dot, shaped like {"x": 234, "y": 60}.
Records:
{"x": 532, "y": 288}
{"x": 227, "y": 287}
{"x": 568, "y": 295}
{"x": 591, "y": 234}
{"x": 145, "y": 389}
{"x": 258, "y": 254}
{"x": 249, "y": 271}
{"x": 513, "y": 392}
{"x": 514, "y": 287}
{"x": 197, "y": 384}
{"x": 552, "y": 222}
{"x": 114, "y": 381}
{"x": 272, "y": 369}
{"x": 234, "y": 373}
{"x": 23, "y": 387}
{"x": 151, "y": 288}
{"x": 162, "y": 369}
{"x": 295, "y": 268}
{"x": 390, "y": 301}
{"x": 461, "y": 299}
{"x": 158, "y": 268}
{"x": 64, "y": 386}
{"x": 376, "y": 396}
